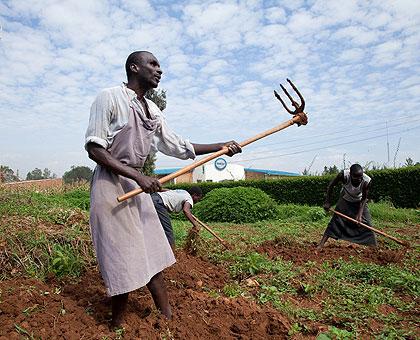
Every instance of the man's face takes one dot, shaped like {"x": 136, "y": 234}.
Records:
{"x": 356, "y": 178}
{"x": 196, "y": 198}
{"x": 148, "y": 70}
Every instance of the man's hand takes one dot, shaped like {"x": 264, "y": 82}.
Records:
{"x": 327, "y": 206}
{"x": 148, "y": 184}
{"x": 233, "y": 147}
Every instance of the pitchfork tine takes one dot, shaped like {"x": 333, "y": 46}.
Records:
{"x": 302, "y": 105}
{"x": 283, "y": 103}
{"x": 296, "y": 105}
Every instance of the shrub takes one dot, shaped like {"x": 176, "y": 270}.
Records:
{"x": 236, "y": 205}
{"x": 400, "y": 186}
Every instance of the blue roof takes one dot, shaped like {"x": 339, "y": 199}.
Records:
{"x": 166, "y": 171}
{"x": 272, "y": 172}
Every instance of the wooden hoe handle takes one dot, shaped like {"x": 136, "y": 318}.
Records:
{"x": 223, "y": 242}
{"x": 370, "y": 228}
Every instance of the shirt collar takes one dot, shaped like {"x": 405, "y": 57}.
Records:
{"x": 130, "y": 93}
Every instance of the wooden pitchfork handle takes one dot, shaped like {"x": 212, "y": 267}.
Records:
{"x": 404, "y": 243}
{"x": 223, "y": 242}
{"x": 299, "y": 118}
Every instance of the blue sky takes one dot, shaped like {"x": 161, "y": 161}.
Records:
{"x": 355, "y": 62}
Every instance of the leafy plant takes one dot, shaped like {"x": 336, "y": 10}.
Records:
{"x": 236, "y": 205}
{"x": 335, "y": 333}
{"x": 65, "y": 261}
{"x": 232, "y": 290}
{"x": 249, "y": 265}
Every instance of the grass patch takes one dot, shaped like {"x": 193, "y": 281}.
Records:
{"x": 385, "y": 211}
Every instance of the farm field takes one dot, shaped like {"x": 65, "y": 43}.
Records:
{"x": 271, "y": 284}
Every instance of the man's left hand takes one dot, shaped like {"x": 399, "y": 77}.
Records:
{"x": 359, "y": 218}
{"x": 233, "y": 147}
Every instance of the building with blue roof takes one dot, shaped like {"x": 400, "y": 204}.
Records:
{"x": 220, "y": 170}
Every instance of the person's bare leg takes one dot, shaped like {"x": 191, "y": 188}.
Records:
{"x": 119, "y": 305}
{"x": 322, "y": 242}
{"x": 159, "y": 293}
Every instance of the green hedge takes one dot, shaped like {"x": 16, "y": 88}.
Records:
{"x": 400, "y": 186}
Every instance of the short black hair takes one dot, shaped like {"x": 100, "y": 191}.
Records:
{"x": 195, "y": 191}
{"x": 356, "y": 168}
{"x": 133, "y": 58}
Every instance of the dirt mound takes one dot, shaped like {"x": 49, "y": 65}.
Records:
{"x": 300, "y": 253}
{"x": 81, "y": 309}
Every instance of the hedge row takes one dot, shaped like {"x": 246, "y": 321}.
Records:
{"x": 400, "y": 186}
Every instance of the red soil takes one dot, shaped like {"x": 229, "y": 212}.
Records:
{"x": 55, "y": 310}
{"x": 300, "y": 253}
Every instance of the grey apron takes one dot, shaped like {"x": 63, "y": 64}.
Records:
{"x": 129, "y": 241}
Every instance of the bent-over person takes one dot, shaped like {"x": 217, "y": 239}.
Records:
{"x": 175, "y": 201}
{"x": 353, "y": 203}
{"x": 124, "y": 128}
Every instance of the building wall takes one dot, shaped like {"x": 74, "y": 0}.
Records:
{"x": 185, "y": 178}
{"x": 208, "y": 173}
{"x": 254, "y": 175}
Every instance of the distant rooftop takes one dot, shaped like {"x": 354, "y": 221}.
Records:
{"x": 168, "y": 171}
{"x": 272, "y": 172}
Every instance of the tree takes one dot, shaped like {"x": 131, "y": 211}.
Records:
{"x": 47, "y": 174}
{"x": 38, "y": 174}
{"x": 7, "y": 175}
{"x": 78, "y": 174}
{"x": 149, "y": 165}
{"x": 332, "y": 170}
{"x": 34, "y": 174}
{"x": 159, "y": 98}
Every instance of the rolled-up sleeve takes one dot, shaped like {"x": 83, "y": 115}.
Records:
{"x": 171, "y": 144}
{"x": 98, "y": 129}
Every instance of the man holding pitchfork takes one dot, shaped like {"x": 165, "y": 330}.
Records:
{"x": 124, "y": 127}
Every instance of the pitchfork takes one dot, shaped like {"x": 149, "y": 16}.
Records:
{"x": 299, "y": 118}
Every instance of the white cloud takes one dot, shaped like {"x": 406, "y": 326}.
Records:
{"x": 355, "y": 62}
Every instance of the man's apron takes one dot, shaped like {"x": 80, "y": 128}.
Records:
{"x": 129, "y": 241}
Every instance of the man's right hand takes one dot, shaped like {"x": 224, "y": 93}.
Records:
{"x": 148, "y": 184}
{"x": 327, "y": 206}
